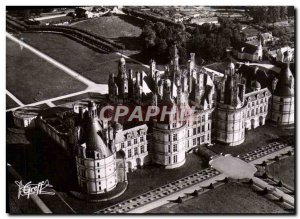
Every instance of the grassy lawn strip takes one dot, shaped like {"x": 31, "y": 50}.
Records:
{"x": 113, "y": 26}
{"x": 283, "y": 170}
{"x": 230, "y": 198}
{"x": 10, "y": 103}
{"x": 31, "y": 78}
{"x": 91, "y": 64}
{"x": 123, "y": 29}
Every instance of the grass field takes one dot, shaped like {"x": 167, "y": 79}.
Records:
{"x": 122, "y": 29}
{"x": 283, "y": 170}
{"x": 31, "y": 78}
{"x": 227, "y": 199}
{"x": 94, "y": 65}
{"x": 10, "y": 103}
{"x": 256, "y": 138}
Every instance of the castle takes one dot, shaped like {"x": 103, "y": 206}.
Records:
{"x": 212, "y": 109}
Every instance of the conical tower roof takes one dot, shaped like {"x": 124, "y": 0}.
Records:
{"x": 94, "y": 141}
{"x": 283, "y": 87}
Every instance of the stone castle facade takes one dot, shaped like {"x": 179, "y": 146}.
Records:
{"x": 212, "y": 109}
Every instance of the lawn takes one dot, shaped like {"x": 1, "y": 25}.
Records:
{"x": 255, "y": 138}
{"x": 94, "y": 65}
{"x": 10, "y": 103}
{"x": 227, "y": 199}
{"x": 122, "y": 29}
{"x": 31, "y": 78}
{"x": 283, "y": 170}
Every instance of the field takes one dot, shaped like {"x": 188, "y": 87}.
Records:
{"x": 10, "y": 103}
{"x": 227, "y": 199}
{"x": 31, "y": 78}
{"x": 91, "y": 64}
{"x": 122, "y": 29}
{"x": 283, "y": 170}
{"x": 256, "y": 138}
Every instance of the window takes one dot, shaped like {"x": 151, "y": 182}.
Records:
{"x": 141, "y": 138}
{"x": 142, "y": 149}
{"x": 199, "y": 129}
{"x": 174, "y": 137}
{"x": 203, "y": 118}
{"x": 248, "y": 113}
{"x": 129, "y": 153}
{"x": 83, "y": 173}
{"x": 169, "y": 148}
{"x": 194, "y": 141}
{"x": 203, "y": 128}
{"x": 256, "y": 110}
{"x": 135, "y": 141}
{"x": 97, "y": 164}
{"x": 122, "y": 145}
{"x": 261, "y": 109}
{"x": 135, "y": 151}
{"x": 169, "y": 160}
{"x": 207, "y": 137}
{"x": 174, "y": 147}
{"x": 265, "y": 108}
{"x": 202, "y": 138}
{"x": 194, "y": 131}
{"x": 129, "y": 143}
{"x": 174, "y": 125}
{"x": 280, "y": 108}
{"x": 175, "y": 159}
{"x": 253, "y": 103}
{"x": 208, "y": 126}
{"x": 261, "y": 101}
{"x": 252, "y": 112}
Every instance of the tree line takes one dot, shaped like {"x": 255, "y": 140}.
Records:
{"x": 208, "y": 41}
{"x": 270, "y": 14}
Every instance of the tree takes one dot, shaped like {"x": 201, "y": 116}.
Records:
{"x": 80, "y": 12}
{"x": 283, "y": 13}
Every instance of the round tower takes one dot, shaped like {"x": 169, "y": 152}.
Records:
{"x": 168, "y": 132}
{"x": 230, "y": 111}
{"x": 282, "y": 111}
{"x": 96, "y": 162}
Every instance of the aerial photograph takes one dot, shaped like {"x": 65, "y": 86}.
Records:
{"x": 150, "y": 110}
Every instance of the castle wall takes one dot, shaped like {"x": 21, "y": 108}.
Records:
{"x": 169, "y": 145}
{"x": 199, "y": 129}
{"x": 257, "y": 111}
{"x": 230, "y": 127}
{"x": 53, "y": 133}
